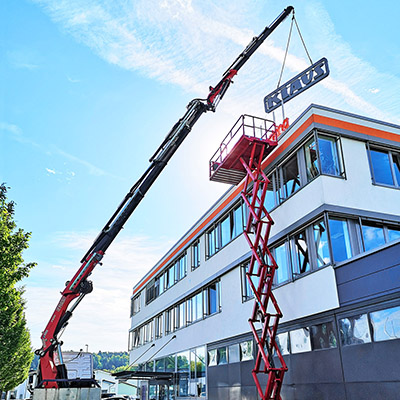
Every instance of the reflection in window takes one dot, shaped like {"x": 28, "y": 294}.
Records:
{"x": 311, "y": 155}
{"x": 323, "y": 336}
{"x": 290, "y": 178}
{"x": 282, "y": 340}
{"x": 197, "y": 387}
{"x": 340, "y": 239}
{"x": 225, "y": 231}
{"x": 246, "y": 287}
{"x": 234, "y": 353}
{"x": 393, "y": 233}
{"x": 282, "y": 260}
{"x": 222, "y": 356}
{"x": 160, "y": 365}
{"x": 212, "y": 294}
{"x": 321, "y": 243}
{"x": 170, "y": 363}
{"x": 197, "y": 307}
{"x": 301, "y": 255}
{"x": 212, "y": 357}
{"x": 372, "y": 235}
{"x": 396, "y": 167}
{"x": 381, "y": 167}
{"x": 354, "y": 330}
{"x": 269, "y": 201}
{"x": 329, "y": 155}
{"x": 386, "y": 324}
{"x": 246, "y": 350}
{"x": 300, "y": 340}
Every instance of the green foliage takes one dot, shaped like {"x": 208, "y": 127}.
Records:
{"x": 109, "y": 361}
{"x": 15, "y": 345}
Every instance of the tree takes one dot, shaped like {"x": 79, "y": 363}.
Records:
{"x": 15, "y": 346}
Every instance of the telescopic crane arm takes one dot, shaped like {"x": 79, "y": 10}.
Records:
{"x": 79, "y": 285}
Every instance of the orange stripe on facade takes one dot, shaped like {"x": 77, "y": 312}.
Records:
{"x": 349, "y": 126}
{"x": 314, "y": 118}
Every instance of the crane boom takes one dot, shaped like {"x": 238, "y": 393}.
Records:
{"x": 50, "y": 374}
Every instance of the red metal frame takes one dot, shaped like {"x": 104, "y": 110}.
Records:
{"x": 249, "y": 152}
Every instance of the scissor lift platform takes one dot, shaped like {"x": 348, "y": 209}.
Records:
{"x": 225, "y": 164}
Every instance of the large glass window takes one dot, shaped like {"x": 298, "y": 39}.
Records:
{"x": 340, "y": 239}
{"x": 386, "y": 324}
{"x": 180, "y": 315}
{"x": 282, "y": 259}
{"x": 323, "y": 336}
{"x": 225, "y": 231}
{"x": 321, "y": 243}
{"x": 234, "y": 353}
{"x": 197, "y": 307}
{"x": 372, "y": 234}
{"x": 246, "y": 287}
{"x": 158, "y": 325}
{"x": 300, "y": 253}
{"x": 212, "y": 237}
{"x": 135, "y": 305}
{"x": 222, "y": 356}
{"x": 300, "y": 340}
{"x": 354, "y": 330}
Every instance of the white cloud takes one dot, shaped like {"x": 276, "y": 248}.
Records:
{"x": 11, "y": 128}
{"x": 191, "y": 43}
{"x": 102, "y": 319}
{"x": 51, "y": 171}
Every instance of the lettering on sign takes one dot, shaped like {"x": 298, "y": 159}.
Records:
{"x": 297, "y": 85}
{"x": 282, "y": 127}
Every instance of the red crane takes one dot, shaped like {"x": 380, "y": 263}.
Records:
{"x": 52, "y": 375}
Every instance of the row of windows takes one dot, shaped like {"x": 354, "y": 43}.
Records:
{"x": 174, "y": 273}
{"x": 226, "y": 229}
{"x": 200, "y": 305}
{"x": 242, "y": 351}
{"x": 328, "y": 240}
{"x": 191, "y": 366}
{"x": 361, "y": 328}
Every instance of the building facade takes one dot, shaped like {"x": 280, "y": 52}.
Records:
{"x": 335, "y": 199}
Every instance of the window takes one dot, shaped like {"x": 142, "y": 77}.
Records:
{"x": 170, "y": 277}
{"x": 135, "y": 305}
{"x": 170, "y": 320}
{"x": 197, "y": 372}
{"x": 300, "y": 340}
{"x": 300, "y": 253}
{"x": 195, "y": 254}
{"x": 181, "y": 267}
{"x": 290, "y": 178}
{"x": 212, "y": 357}
{"x": 329, "y": 157}
{"x": 247, "y": 291}
{"x": 270, "y": 198}
{"x": 322, "y": 157}
{"x": 372, "y": 234}
{"x": 160, "y": 365}
{"x": 354, "y": 330}
{"x": 197, "y": 307}
{"x": 180, "y": 320}
{"x": 212, "y": 298}
{"x": 170, "y": 363}
{"x": 385, "y": 166}
{"x": 386, "y": 324}
{"x": 311, "y": 156}
{"x": 246, "y": 350}
{"x": 393, "y": 233}
{"x": 222, "y": 356}
{"x": 212, "y": 237}
{"x": 282, "y": 259}
{"x": 158, "y": 326}
{"x": 234, "y": 353}
{"x": 323, "y": 336}
{"x": 340, "y": 239}
{"x": 282, "y": 340}
{"x": 148, "y": 332}
{"x": 321, "y": 243}
{"x": 182, "y": 364}
{"x": 150, "y": 292}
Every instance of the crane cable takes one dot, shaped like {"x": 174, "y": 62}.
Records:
{"x": 287, "y": 47}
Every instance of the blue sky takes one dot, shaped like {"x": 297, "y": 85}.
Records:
{"x": 90, "y": 88}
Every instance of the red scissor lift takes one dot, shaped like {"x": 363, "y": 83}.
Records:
{"x": 240, "y": 157}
